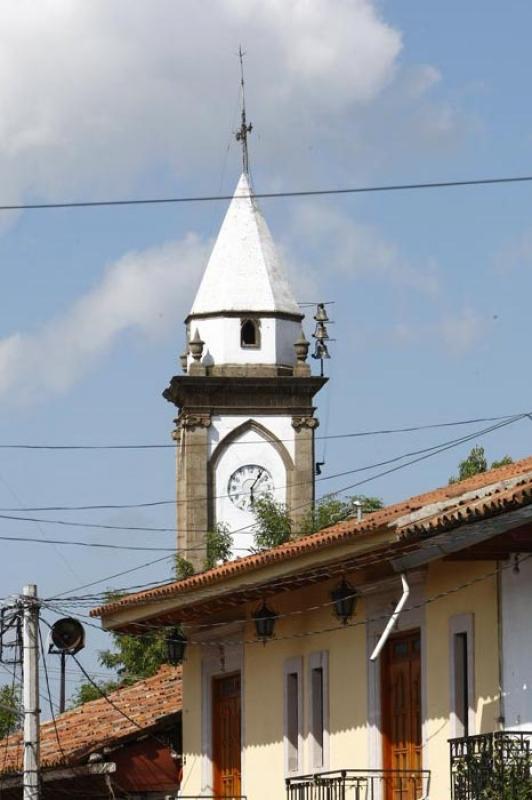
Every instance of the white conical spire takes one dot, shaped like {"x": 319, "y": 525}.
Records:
{"x": 244, "y": 273}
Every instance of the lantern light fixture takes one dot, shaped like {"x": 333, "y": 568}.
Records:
{"x": 176, "y": 646}
{"x": 344, "y": 600}
{"x": 264, "y": 620}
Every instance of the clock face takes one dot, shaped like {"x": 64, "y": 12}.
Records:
{"x": 247, "y": 484}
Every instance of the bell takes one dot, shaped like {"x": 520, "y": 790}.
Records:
{"x": 320, "y": 351}
{"x": 321, "y": 332}
{"x": 321, "y": 314}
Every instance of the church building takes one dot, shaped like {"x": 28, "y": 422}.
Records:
{"x": 339, "y": 664}
{"x": 245, "y": 426}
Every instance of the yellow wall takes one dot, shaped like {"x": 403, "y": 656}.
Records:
{"x": 479, "y": 599}
{"x": 264, "y": 702}
{"x": 192, "y": 721}
{"x": 263, "y": 682}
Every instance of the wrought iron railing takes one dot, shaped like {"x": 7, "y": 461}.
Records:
{"x": 360, "y": 784}
{"x": 492, "y": 766}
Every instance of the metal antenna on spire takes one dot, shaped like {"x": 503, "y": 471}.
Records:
{"x": 242, "y": 133}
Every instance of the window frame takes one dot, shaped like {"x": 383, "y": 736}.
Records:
{"x": 293, "y": 666}
{"x": 462, "y": 625}
{"x": 256, "y": 324}
{"x": 318, "y": 660}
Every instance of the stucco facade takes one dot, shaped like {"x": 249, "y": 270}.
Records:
{"x": 354, "y": 739}
{"x": 516, "y": 605}
{"x": 313, "y": 699}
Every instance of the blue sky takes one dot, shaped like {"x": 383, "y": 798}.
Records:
{"x": 431, "y": 289}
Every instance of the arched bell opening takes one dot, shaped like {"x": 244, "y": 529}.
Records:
{"x": 250, "y": 333}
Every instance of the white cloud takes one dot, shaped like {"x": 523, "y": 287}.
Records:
{"x": 458, "y": 332}
{"x": 95, "y": 94}
{"x": 515, "y": 255}
{"x": 144, "y": 291}
{"x": 342, "y": 245}
{"x": 461, "y": 331}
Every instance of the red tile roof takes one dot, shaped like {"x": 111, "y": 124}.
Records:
{"x": 94, "y": 725}
{"x": 478, "y": 497}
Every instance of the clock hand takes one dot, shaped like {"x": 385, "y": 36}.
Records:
{"x": 253, "y": 486}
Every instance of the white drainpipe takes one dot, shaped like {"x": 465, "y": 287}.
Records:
{"x": 393, "y": 619}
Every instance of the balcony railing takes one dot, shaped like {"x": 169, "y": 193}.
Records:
{"x": 492, "y": 766}
{"x": 360, "y": 784}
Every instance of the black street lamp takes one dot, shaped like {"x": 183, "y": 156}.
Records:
{"x": 344, "y": 599}
{"x": 264, "y": 620}
{"x": 176, "y": 646}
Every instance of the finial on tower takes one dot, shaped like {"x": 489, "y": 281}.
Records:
{"x": 242, "y": 133}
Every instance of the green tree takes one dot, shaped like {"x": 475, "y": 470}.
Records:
{"x": 182, "y": 568}
{"x": 218, "y": 546}
{"x": 10, "y": 710}
{"x": 331, "y": 509}
{"x": 274, "y": 526}
{"x": 86, "y": 692}
{"x": 273, "y": 523}
{"x": 132, "y": 658}
{"x": 135, "y": 657}
{"x": 475, "y": 464}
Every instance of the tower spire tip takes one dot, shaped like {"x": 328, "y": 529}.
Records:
{"x": 241, "y": 134}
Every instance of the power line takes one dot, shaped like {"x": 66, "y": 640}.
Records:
{"x": 352, "y": 435}
{"x": 76, "y": 543}
{"x": 249, "y": 529}
{"x": 108, "y": 700}
{"x": 267, "y": 195}
{"x": 33, "y": 539}
{"x": 385, "y": 616}
{"x": 115, "y": 575}
{"x": 4, "y": 512}
{"x": 48, "y": 690}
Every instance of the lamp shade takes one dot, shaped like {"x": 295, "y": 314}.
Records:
{"x": 176, "y": 646}
{"x": 68, "y": 636}
{"x": 264, "y": 620}
{"x": 344, "y": 599}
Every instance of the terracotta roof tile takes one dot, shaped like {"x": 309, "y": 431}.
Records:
{"x": 97, "y": 724}
{"x": 445, "y": 506}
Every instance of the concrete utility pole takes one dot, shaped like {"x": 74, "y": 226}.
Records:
{"x": 30, "y": 662}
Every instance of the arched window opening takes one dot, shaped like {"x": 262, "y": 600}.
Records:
{"x": 250, "y": 333}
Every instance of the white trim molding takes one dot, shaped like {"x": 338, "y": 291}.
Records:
{"x": 318, "y": 756}
{"x": 215, "y": 663}
{"x": 462, "y": 624}
{"x": 293, "y": 666}
{"x": 379, "y": 607}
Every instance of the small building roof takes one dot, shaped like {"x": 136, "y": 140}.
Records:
{"x": 244, "y": 272}
{"x": 90, "y": 727}
{"x": 481, "y": 506}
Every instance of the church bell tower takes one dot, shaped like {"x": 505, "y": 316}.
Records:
{"x": 245, "y": 425}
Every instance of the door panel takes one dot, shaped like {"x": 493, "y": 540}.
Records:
{"x": 226, "y": 736}
{"x": 401, "y": 713}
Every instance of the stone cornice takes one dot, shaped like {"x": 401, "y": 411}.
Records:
{"x": 204, "y": 392}
{"x": 245, "y": 315}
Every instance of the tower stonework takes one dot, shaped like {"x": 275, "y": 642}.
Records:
{"x": 245, "y": 426}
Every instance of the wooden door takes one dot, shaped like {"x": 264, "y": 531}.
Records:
{"x": 401, "y": 714}
{"x": 226, "y": 736}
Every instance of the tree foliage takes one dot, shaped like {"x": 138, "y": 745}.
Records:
{"x": 135, "y": 657}
{"x": 218, "y": 545}
{"x": 477, "y": 463}
{"x": 132, "y": 658}
{"x": 10, "y": 710}
{"x": 274, "y": 526}
{"x": 331, "y": 509}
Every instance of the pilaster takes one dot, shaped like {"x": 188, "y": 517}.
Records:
{"x": 192, "y": 487}
{"x": 302, "y": 492}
